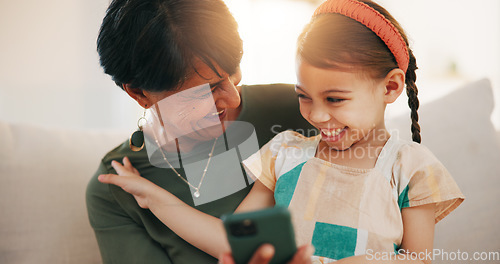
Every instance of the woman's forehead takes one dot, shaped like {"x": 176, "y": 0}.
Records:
{"x": 203, "y": 73}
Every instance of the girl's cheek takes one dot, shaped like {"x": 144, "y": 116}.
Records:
{"x": 304, "y": 111}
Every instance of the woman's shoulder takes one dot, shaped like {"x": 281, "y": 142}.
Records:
{"x": 121, "y": 151}
{"x": 95, "y": 188}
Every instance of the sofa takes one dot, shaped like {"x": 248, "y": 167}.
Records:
{"x": 44, "y": 172}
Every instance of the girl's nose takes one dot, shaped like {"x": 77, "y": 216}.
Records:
{"x": 319, "y": 114}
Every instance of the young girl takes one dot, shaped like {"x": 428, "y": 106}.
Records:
{"x": 356, "y": 192}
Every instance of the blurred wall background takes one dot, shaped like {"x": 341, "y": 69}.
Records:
{"x": 50, "y": 74}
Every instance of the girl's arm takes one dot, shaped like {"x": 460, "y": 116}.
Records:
{"x": 199, "y": 229}
{"x": 418, "y": 238}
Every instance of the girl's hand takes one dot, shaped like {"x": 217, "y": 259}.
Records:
{"x": 265, "y": 253}
{"x": 131, "y": 181}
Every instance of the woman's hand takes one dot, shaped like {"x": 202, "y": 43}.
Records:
{"x": 131, "y": 181}
{"x": 265, "y": 253}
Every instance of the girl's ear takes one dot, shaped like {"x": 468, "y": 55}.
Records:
{"x": 394, "y": 85}
{"x": 138, "y": 94}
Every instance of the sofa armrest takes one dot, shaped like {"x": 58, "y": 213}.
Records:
{"x": 44, "y": 174}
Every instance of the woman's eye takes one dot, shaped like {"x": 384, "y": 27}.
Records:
{"x": 196, "y": 97}
{"x": 334, "y": 100}
{"x": 204, "y": 96}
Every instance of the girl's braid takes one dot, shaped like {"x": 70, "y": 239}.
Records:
{"x": 412, "y": 92}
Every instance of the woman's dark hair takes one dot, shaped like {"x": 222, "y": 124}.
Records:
{"x": 154, "y": 44}
{"x": 334, "y": 41}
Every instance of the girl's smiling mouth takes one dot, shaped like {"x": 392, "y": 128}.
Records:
{"x": 332, "y": 134}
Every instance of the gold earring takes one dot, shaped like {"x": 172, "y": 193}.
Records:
{"x": 136, "y": 140}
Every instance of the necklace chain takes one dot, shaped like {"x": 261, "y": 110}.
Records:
{"x": 197, "y": 189}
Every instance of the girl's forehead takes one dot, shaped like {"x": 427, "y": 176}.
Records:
{"x": 309, "y": 77}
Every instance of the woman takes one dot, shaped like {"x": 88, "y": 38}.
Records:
{"x": 153, "y": 50}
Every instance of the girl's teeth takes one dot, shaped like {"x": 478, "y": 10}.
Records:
{"x": 334, "y": 132}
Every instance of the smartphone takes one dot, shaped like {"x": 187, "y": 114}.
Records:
{"x": 248, "y": 231}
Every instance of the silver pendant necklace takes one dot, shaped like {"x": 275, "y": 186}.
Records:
{"x": 196, "y": 194}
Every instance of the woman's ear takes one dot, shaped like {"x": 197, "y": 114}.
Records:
{"x": 138, "y": 94}
{"x": 394, "y": 85}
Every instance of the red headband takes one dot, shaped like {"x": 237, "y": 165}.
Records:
{"x": 373, "y": 20}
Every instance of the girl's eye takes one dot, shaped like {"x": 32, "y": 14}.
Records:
{"x": 302, "y": 97}
{"x": 334, "y": 100}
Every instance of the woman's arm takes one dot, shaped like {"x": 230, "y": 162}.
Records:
{"x": 120, "y": 238}
{"x": 199, "y": 229}
{"x": 418, "y": 238}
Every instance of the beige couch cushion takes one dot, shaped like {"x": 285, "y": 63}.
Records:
{"x": 43, "y": 176}
{"x": 458, "y": 130}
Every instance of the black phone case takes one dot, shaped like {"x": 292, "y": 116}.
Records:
{"x": 248, "y": 231}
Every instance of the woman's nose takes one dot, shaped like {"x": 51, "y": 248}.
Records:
{"x": 227, "y": 97}
{"x": 319, "y": 114}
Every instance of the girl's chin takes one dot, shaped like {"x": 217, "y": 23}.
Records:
{"x": 338, "y": 148}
